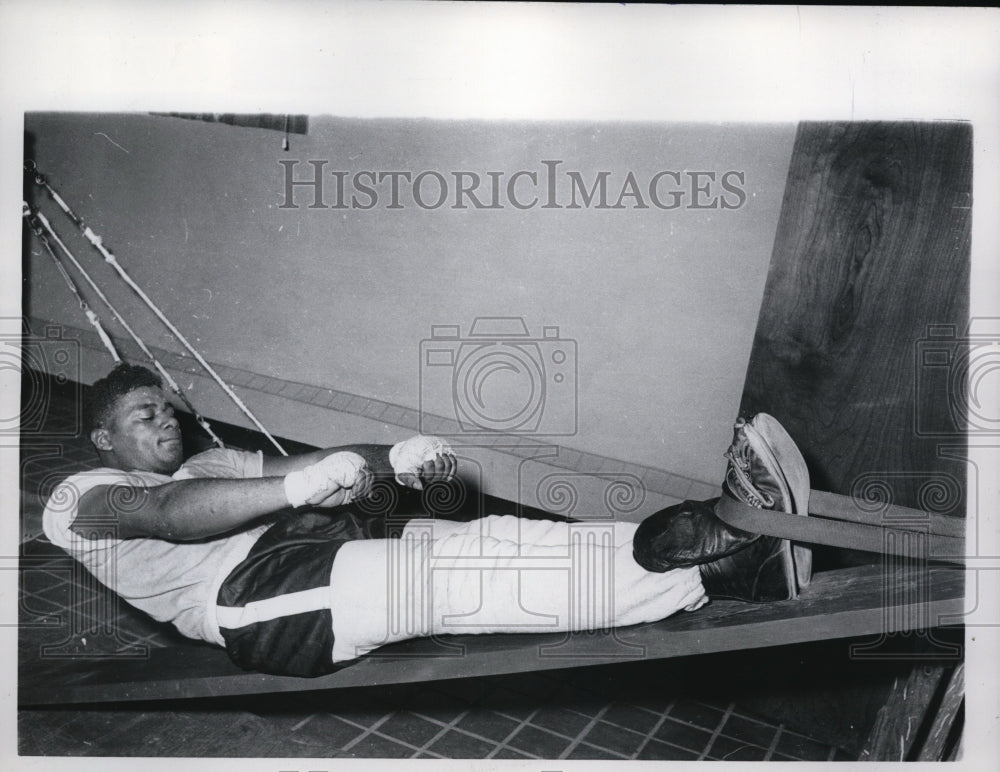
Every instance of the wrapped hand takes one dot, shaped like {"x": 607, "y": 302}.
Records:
{"x": 316, "y": 483}
{"x": 421, "y": 460}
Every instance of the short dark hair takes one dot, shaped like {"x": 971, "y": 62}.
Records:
{"x": 106, "y": 392}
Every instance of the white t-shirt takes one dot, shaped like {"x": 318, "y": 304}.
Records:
{"x": 171, "y": 581}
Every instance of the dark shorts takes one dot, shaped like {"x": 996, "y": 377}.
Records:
{"x": 294, "y": 555}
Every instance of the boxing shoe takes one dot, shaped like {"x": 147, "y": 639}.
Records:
{"x": 764, "y": 470}
{"x": 686, "y": 534}
{"x": 757, "y": 573}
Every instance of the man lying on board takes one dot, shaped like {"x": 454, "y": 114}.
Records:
{"x": 259, "y": 554}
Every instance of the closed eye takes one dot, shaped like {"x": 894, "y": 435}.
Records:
{"x": 149, "y": 412}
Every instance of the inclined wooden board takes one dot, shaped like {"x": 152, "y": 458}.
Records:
{"x": 869, "y": 275}
{"x": 845, "y": 603}
{"x": 871, "y": 256}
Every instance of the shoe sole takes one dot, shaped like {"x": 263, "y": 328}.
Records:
{"x": 769, "y": 439}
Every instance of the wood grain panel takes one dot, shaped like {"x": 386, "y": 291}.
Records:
{"x": 872, "y": 249}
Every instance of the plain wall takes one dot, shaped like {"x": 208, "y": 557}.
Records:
{"x": 662, "y": 305}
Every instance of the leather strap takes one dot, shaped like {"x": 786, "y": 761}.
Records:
{"x": 843, "y": 523}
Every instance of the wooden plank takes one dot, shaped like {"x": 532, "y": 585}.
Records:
{"x": 916, "y": 721}
{"x": 871, "y": 256}
{"x": 872, "y": 248}
{"x": 839, "y": 604}
{"x": 898, "y": 722}
{"x": 935, "y": 747}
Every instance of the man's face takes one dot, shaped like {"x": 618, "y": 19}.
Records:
{"x": 142, "y": 433}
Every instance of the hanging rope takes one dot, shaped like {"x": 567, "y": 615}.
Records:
{"x": 42, "y": 221}
{"x": 36, "y": 228}
{"x": 109, "y": 258}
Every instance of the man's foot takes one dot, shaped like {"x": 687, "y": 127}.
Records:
{"x": 684, "y": 535}
{"x": 766, "y": 471}
{"x": 758, "y": 573}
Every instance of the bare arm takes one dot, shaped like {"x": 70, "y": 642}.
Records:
{"x": 185, "y": 510}
{"x": 377, "y": 457}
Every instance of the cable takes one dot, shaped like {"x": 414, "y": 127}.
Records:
{"x": 98, "y": 244}
{"x": 168, "y": 379}
{"x": 36, "y": 228}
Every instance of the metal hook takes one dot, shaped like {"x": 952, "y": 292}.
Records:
{"x": 31, "y": 218}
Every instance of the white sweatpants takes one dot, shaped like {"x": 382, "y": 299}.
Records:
{"x": 499, "y": 574}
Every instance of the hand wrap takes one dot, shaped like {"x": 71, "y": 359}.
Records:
{"x": 318, "y": 481}
{"x": 408, "y": 456}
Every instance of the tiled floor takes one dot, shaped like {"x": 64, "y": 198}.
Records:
{"x": 575, "y": 715}
{"x": 646, "y": 710}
